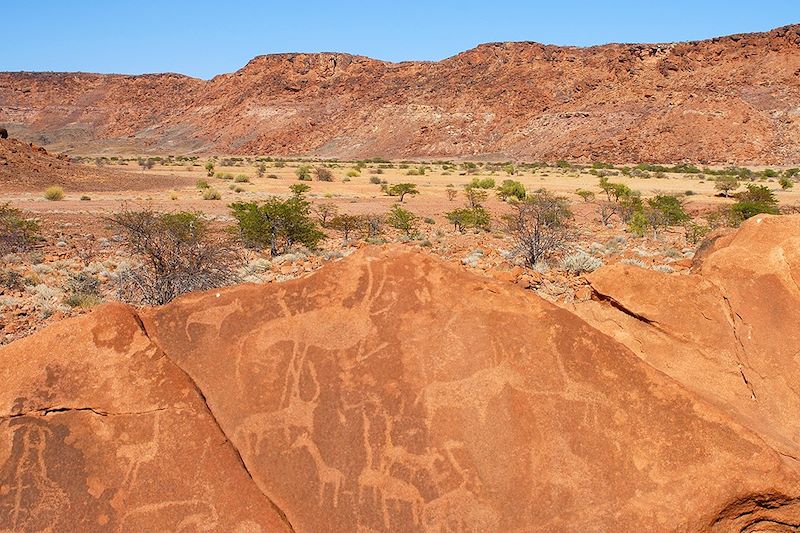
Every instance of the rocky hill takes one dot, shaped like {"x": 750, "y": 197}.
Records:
{"x": 394, "y": 392}
{"x": 726, "y": 100}
{"x": 27, "y": 167}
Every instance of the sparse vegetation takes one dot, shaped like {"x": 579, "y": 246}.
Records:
{"x": 176, "y": 252}
{"x": 17, "y": 230}
{"x": 539, "y": 225}
{"x": 54, "y": 193}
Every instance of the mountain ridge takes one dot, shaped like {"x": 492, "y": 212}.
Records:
{"x": 732, "y": 99}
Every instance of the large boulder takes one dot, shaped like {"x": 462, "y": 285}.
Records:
{"x": 387, "y": 392}
{"x": 728, "y": 331}
{"x": 100, "y": 431}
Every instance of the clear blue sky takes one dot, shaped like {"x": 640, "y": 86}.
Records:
{"x": 203, "y": 38}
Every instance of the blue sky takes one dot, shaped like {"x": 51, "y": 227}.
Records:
{"x": 204, "y": 38}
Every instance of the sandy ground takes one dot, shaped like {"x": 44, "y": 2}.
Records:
{"x": 358, "y": 195}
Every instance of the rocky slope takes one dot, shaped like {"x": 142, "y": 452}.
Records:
{"x": 394, "y": 392}
{"x": 730, "y": 99}
{"x": 27, "y": 167}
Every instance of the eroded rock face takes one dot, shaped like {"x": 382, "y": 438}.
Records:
{"x": 728, "y": 331}
{"x": 100, "y": 431}
{"x": 387, "y": 392}
{"x": 619, "y": 102}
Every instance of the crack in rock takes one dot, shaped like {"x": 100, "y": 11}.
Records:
{"x": 45, "y": 411}
{"x": 228, "y": 441}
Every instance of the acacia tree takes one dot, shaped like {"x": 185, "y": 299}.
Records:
{"x": 539, "y": 225}
{"x": 402, "y": 189}
{"x": 475, "y": 196}
{"x": 326, "y": 212}
{"x": 661, "y": 211}
{"x": 402, "y": 219}
{"x": 725, "y": 184}
{"x": 347, "y": 224}
{"x": 276, "y": 224}
{"x": 468, "y": 217}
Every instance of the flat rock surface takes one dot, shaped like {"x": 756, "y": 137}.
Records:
{"x": 389, "y": 391}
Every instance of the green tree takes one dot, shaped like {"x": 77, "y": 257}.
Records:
{"x": 664, "y": 210}
{"x": 511, "y": 189}
{"x": 726, "y": 183}
{"x": 785, "y": 183}
{"x": 276, "y": 224}
{"x": 209, "y": 168}
{"x": 347, "y": 224}
{"x": 468, "y": 217}
{"x": 402, "y": 189}
{"x": 475, "y": 196}
{"x": 402, "y": 219}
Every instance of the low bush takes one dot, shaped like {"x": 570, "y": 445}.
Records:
{"x": 176, "y": 252}
{"x": 580, "y": 262}
{"x": 17, "y": 231}
{"x": 54, "y": 193}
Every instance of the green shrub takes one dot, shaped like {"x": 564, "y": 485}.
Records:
{"x": 211, "y": 194}
{"x": 85, "y": 198}
{"x": 17, "y": 231}
{"x": 755, "y": 200}
{"x": 402, "y": 219}
{"x": 485, "y": 183}
{"x": 511, "y": 189}
{"x": 303, "y": 172}
{"x": 176, "y": 252}
{"x": 353, "y": 173}
{"x": 375, "y": 180}
{"x": 202, "y": 184}
{"x": 241, "y": 178}
{"x": 468, "y": 217}
{"x": 276, "y": 224}
{"x": 54, "y": 193}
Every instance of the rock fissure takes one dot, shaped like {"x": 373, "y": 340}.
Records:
{"x": 204, "y": 400}
{"x": 45, "y": 411}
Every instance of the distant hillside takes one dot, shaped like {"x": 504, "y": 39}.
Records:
{"x": 726, "y": 100}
